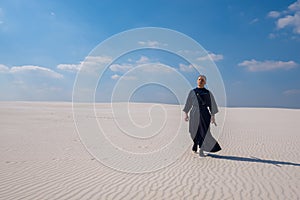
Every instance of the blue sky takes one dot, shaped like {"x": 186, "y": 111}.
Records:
{"x": 255, "y": 44}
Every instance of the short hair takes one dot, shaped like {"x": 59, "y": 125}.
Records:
{"x": 201, "y": 75}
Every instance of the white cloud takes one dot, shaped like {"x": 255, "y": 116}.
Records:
{"x": 29, "y": 82}
{"x": 254, "y": 21}
{"x": 120, "y": 67}
{"x": 3, "y": 69}
{"x": 150, "y": 43}
{"x": 274, "y": 14}
{"x": 292, "y": 92}
{"x": 295, "y": 6}
{"x": 115, "y": 76}
{"x": 293, "y": 21}
{"x": 128, "y": 78}
{"x": 98, "y": 59}
{"x": 128, "y": 66}
{"x": 269, "y": 65}
{"x": 69, "y": 67}
{"x": 272, "y": 36}
{"x": 157, "y": 68}
{"x": 142, "y": 60}
{"x": 211, "y": 56}
{"x": 39, "y": 70}
{"x": 290, "y": 17}
{"x": 190, "y": 52}
{"x": 88, "y": 64}
{"x": 186, "y": 68}
{"x": 1, "y": 16}
{"x": 92, "y": 64}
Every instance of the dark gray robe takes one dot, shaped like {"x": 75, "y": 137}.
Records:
{"x": 201, "y": 104}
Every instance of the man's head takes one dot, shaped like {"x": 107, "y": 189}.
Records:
{"x": 201, "y": 81}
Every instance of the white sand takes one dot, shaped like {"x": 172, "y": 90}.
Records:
{"x": 42, "y": 157}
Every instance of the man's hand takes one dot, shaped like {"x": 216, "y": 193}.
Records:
{"x": 213, "y": 120}
{"x": 186, "y": 118}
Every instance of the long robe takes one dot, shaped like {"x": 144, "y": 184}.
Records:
{"x": 201, "y": 104}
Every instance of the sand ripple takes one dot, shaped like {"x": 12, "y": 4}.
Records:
{"x": 42, "y": 158}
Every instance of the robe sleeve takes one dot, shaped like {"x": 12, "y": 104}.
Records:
{"x": 213, "y": 105}
{"x": 189, "y": 102}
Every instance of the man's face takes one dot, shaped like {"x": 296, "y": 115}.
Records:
{"x": 201, "y": 81}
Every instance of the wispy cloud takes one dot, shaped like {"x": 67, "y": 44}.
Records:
{"x": 125, "y": 77}
{"x": 211, "y": 56}
{"x": 274, "y": 14}
{"x": 157, "y": 68}
{"x": 150, "y": 43}
{"x": 272, "y": 36}
{"x": 98, "y": 59}
{"x": 269, "y": 65}
{"x": 1, "y": 16}
{"x": 186, "y": 68}
{"x": 69, "y": 67}
{"x": 203, "y": 56}
{"x": 288, "y": 18}
{"x": 292, "y": 92}
{"x": 139, "y": 67}
{"x": 87, "y": 64}
{"x": 254, "y": 21}
{"x": 189, "y": 52}
{"x": 124, "y": 67}
{"x": 115, "y": 76}
{"x": 3, "y": 69}
{"x": 31, "y": 69}
{"x": 121, "y": 67}
{"x": 31, "y": 82}
{"x": 142, "y": 60}
{"x": 129, "y": 78}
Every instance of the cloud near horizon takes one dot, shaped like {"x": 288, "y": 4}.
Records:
{"x": 30, "y": 82}
{"x": 292, "y": 92}
{"x": 268, "y": 65}
{"x": 31, "y": 69}
{"x": 3, "y": 68}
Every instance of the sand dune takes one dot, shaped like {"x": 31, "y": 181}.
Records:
{"x": 42, "y": 157}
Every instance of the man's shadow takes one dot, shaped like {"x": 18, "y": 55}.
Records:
{"x": 253, "y": 159}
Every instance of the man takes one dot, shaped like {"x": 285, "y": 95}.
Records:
{"x": 202, "y": 107}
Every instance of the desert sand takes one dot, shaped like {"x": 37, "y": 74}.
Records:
{"x": 42, "y": 157}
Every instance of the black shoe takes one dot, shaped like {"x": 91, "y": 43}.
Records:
{"x": 195, "y": 148}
